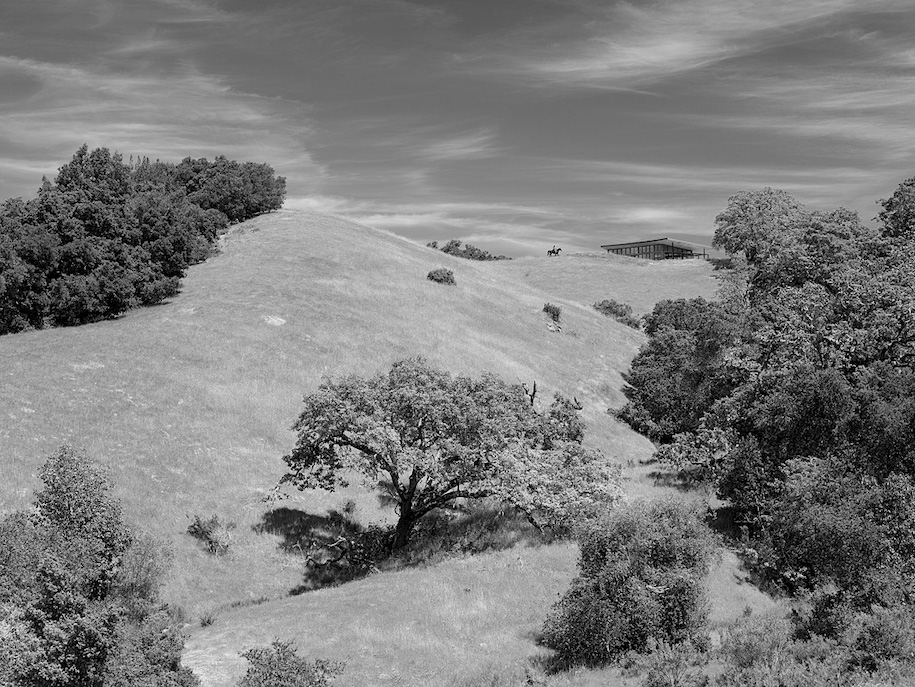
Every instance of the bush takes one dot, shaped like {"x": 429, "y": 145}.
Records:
{"x": 885, "y": 635}
{"x": 674, "y": 665}
{"x": 759, "y": 652}
{"x": 279, "y": 666}
{"x": 552, "y": 310}
{"x": 640, "y": 574}
{"x": 619, "y": 311}
{"x": 148, "y": 654}
{"x": 441, "y": 276}
{"x": 212, "y": 533}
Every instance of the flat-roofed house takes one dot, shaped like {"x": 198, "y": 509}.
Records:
{"x": 656, "y": 249}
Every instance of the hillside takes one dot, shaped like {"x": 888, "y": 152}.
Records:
{"x": 591, "y": 277}
{"x": 189, "y": 403}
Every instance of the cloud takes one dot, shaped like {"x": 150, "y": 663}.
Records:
{"x": 625, "y": 45}
{"x": 411, "y": 138}
{"x": 470, "y": 146}
{"x": 853, "y": 104}
{"x": 650, "y": 215}
{"x": 192, "y": 11}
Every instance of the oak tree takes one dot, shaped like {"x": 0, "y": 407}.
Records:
{"x": 425, "y": 438}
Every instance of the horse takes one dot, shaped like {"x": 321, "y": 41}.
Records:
{"x": 554, "y": 251}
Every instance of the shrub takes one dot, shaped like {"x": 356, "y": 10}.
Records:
{"x": 279, "y": 666}
{"x": 441, "y": 276}
{"x": 552, "y": 310}
{"x": 140, "y": 577}
{"x": 674, "y": 665}
{"x": 148, "y": 653}
{"x": 759, "y": 652}
{"x": 212, "y": 533}
{"x": 885, "y": 635}
{"x": 619, "y": 311}
{"x": 640, "y": 573}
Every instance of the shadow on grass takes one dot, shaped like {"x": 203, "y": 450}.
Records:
{"x": 335, "y": 548}
{"x": 300, "y": 530}
{"x": 728, "y": 521}
{"x": 679, "y": 480}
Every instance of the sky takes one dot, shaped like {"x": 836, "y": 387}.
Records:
{"x": 514, "y": 125}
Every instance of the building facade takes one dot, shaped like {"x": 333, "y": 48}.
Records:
{"x": 656, "y": 249}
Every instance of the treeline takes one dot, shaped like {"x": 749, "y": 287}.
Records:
{"x": 107, "y": 236}
{"x": 793, "y": 395}
{"x": 468, "y": 251}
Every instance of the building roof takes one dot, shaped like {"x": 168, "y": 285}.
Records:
{"x": 651, "y": 242}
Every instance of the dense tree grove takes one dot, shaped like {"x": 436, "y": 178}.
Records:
{"x": 107, "y": 236}
{"x": 794, "y": 395}
{"x": 79, "y": 590}
{"x": 426, "y": 439}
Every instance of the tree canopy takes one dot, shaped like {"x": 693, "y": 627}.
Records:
{"x": 107, "y": 236}
{"x": 793, "y": 393}
{"x": 425, "y": 438}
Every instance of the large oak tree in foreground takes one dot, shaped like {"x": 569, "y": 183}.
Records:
{"x": 426, "y": 439}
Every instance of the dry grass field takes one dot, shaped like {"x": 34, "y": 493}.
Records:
{"x": 591, "y": 277}
{"x": 189, "y": 405}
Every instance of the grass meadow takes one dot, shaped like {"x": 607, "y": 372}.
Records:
{"x": 189, "y": 404}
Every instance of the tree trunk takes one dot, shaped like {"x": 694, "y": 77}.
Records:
{"x": 404, "y": 527}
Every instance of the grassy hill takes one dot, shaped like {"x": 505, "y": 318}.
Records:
{"x": 189, "y": 404}
{"x": 591, "y": 277}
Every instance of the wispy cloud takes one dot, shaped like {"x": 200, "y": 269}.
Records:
{"x": 853, "y": 104}
{"x": 623, "y": 45}
{"x": 168, "y": 116}
{"x": 470, "y": 146}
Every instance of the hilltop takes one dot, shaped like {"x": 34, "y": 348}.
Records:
{"x": 189, "y": 403}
